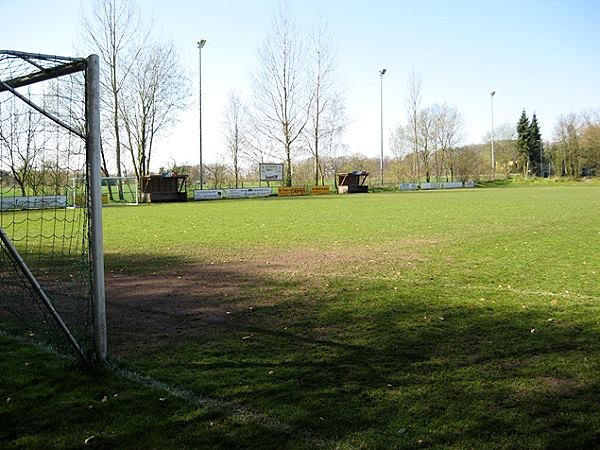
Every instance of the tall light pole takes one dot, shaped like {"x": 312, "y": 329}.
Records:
{"x": 200, "y": 45}
{"x": 381, "y": 74}
{"x": 493, "y": 155}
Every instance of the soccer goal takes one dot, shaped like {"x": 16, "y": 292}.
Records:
{"x": 115, "y": 191}
{"x": 51, "y": 256}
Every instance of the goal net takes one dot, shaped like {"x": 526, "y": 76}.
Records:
{"x": 115, "y": 191}
{"x": 51, "y": 261}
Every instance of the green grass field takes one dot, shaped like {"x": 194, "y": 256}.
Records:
{"x": 451, "y": 319}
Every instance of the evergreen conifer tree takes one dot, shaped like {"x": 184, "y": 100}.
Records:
{"x": 523, "y": 141}
{"x": 535, "y": 146}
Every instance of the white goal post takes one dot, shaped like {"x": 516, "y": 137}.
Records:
{"x": 51, "y": 256}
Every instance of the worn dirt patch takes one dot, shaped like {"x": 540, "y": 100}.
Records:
{"x": 193, "y": 301}
{"x": 545, "y": 385}
{"x": 557, "y": 385}
{"x": 144, "y": 311}
{"x": 339, "y": 260}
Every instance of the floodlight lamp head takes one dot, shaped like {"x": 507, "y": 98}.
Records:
{"x": 383, "y": 71}
{"x": 201, "y": 43}
{"x": 493, "y": 93}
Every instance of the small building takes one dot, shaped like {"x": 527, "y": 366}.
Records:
{"x": 353, "y": 182}
{"x": 160, "y": 188}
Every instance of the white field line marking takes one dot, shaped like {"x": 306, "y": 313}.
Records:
{"x": 230, "y": 408}
{"x": 242, "y": 414}
{"x": 473, "y": 287}
{"x": 235, "y": 411}
{"x": 566, "y": 295}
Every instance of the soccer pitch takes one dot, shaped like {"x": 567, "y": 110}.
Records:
{"x": 456, "y": 319}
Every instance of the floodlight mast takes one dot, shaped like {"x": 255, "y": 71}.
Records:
{"x": 200, "y": 45}
{"x": 493, "y": 154}
{"x": 381, "y": 74}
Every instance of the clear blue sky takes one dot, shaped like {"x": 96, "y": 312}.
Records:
{"x": 537, "y": 55}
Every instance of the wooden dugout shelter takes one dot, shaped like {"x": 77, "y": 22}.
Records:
{"x": 159, "y": 188}
{"x": 353, "y": 182}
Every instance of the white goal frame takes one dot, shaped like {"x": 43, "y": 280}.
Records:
{"x": 42, "y": 68}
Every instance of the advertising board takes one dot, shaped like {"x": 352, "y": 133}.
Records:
{"x": 271, "y": 171}
{"x": 33, "y": 202}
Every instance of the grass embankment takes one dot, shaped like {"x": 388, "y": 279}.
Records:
{"x": 405, "y": 320}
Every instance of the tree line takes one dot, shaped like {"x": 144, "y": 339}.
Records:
{"x": 435, "y": 154}
{"x": 295, "y": 113}
{"x": 575, "y": 149}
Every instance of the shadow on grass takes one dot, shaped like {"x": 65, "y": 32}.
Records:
{"x": 46, "y": 402}
{"x": 135, "y": 263}
{"x": 343, "y": 364}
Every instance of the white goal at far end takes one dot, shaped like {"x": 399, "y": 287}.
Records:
{"x": 115, "y": 191}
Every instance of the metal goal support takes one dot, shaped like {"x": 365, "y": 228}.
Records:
{"x": 32, "y": 84}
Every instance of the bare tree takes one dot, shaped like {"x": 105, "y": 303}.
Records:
{"x": 281, "y": 100}
{"x": 413, "y": 107}
{"x": 335, "y": 123}
{"x": 142, "y": 83}
{"x": 152, "y": 97}
{"x": 258, "y": 147}
{"x": 567, "y": 158}
{"x": 575, "y": 151}
{"x": 218, "y": 175}
{"x": 590, "y": 137}
{"x": 323, "y": 94}
{"x": 400, "y": 142}
{"x": 505, "y": 147}
{"x": 234, "y": 131}
{"x": 449, "y": 133}
{"x": 425, "y": 138}
{"x": 402, "y": 165}
{"x": 114, "y": 30}
{"x": 468, "y": 163}
{"x": 430, "y": 136}
{"x": 19, "y": 142}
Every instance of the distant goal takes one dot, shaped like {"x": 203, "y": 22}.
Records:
{"x": 51, "y": 256}
{"x": 115, "y": 191}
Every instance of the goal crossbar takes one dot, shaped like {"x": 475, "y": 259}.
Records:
{"x": 65, "y": 66}
{"x": 61, "y": 66}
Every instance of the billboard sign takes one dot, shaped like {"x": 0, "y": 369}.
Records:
{"x": 248, "y": 193}
{"x": 271, "y": 171}
{"x": 208, "y": 194}
{"x": 33, "y": 202}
